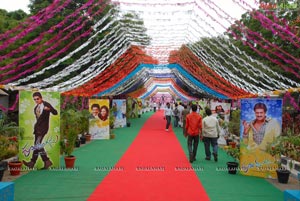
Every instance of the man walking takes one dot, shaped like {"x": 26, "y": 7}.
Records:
{"x": 167, "y": 115}
{"x": 210, "y": 131}
{"x": 193, "y": 129}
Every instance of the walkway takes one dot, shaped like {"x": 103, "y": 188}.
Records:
{"x": 143, "y": 145}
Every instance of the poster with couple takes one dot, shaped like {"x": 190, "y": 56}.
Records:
{"x": 99, "y": 118}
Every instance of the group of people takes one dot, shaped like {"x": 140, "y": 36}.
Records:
{"x": 195, "y": 127}
{"x": 256, "y": 134}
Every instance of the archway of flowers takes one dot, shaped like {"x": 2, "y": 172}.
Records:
{"x": 122, "y": 61}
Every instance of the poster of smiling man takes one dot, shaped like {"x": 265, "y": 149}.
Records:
{"x": 99, "y": 118}
{"x": 261, "y": 121}
{"x": 39, "y": 116}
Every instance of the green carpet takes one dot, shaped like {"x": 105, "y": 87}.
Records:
{"x": 81, "y": 182}
{"x": 92, "y": 162}
{"x": 221, "y": 186}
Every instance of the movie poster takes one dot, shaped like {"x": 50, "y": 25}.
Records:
{"x": 220, "y": 109}
{"x": 39, "y": 118}
{"x": 261, "y": 121}
{"x": 119, "y": 112}
{"x": 99, "y": 118}
{"x": 222, "y": 112}
{"x": 132, "y": 107}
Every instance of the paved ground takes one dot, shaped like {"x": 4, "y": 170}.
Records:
{"x": 293, "y": 184}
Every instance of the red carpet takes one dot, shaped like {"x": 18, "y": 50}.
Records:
{"x": 150, "y": 170}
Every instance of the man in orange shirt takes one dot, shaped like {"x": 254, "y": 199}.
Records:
{"x": 194, "y": 128}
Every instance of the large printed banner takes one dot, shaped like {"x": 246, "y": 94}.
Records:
{"x": 99, "y": 118}
{"x": 39, "y": 116}
{"x": 220, "y": 109}
{"x": 222, "y": 112}
{"x": 132, "y": 107}
{"x": 119, "y": 112}
{"x": 261, "y": 121}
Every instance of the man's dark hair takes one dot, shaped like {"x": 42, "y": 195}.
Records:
{"x": 208, "y": 111}
{"x": 37, "y": 94}
{"x": 260, "y": 106}
{"x": 194, "y": 108}
{"x": 95, "y": 105}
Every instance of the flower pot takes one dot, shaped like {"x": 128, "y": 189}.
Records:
{"x": 14, "y": 167}
{"x": 232, "y": 167}
{"x": 88, "y": 137}
{"x": 112, "y": 136}
{"x": 283, "y": 176}
{"x": 70, "y": 161}
{"x": 77, "y": 143}
{"x": 82, "y": 140}
{"x": 232, "y": 144}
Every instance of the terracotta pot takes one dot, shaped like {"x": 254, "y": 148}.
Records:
{"x": 14, "y": 167}
{"x": 88, "y": 137}
{"x": 112, "y": 136}
{"x": 233, "y": 144}
{"x": 70, "y": 161}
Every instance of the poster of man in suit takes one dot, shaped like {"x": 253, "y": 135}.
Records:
{"x": 39, "y": 116}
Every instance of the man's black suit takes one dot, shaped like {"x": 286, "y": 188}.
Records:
{"x": 41, "y": 128}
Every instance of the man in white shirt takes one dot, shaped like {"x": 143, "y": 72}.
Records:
{"x": 167, "y": 115}
{"x": 210, "y": 132}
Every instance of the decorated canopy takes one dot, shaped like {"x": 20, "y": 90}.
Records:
{"x": 188, "y": 49}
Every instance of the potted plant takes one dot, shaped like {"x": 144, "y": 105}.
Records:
{"x": 234, "y": 152}
{"x": 279, "y": 148}
{"x": 234, "y": 123}
{"x": 70, "y": 121}
{"x": 9, "y": 132}
{"x": 111, "y": 121}
{"x": 14, "y": 167}
{"x": 84, "y": 126}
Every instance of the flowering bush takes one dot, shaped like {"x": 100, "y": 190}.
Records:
{"x": 8, "y": 147}
{"x": 288, "y": 146}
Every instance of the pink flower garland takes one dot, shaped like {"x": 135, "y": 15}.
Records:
{"x": 50, "y": 10}
{"x": 42, "y": 62}
{"x": 38, "y": 39}
{"x": 50, "y": 49}
{"x": 27, "y": 23}
{"x": 287, "y": 96}
{"x": 54, "y": 40}
{"x": 266, "y": 55}
{"x": 242, "y": 28}
{"x": 13, "y": 107}
{"x": 271, "y": 23}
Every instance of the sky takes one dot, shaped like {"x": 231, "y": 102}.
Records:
{"x": 12, "y": 5}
